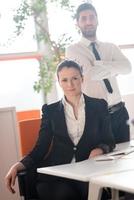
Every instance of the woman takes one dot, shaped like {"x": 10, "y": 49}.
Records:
{"x": 77, "y": 128}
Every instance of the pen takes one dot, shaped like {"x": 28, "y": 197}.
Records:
{"x": 109, "y": 158}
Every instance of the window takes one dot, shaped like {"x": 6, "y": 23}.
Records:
{"x": 16, "y": 84}
{"x": 17, "y": 77}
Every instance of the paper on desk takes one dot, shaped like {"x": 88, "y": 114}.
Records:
{"x": 115, "y": 154}
{"x": 122, "y": 152}
{"x": 104, "y": 158}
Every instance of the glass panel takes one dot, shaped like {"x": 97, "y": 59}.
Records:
{"x": 8, "y": 42}
{"x": 17, "y": 77}
{"x": 16, "y": 84}
{"x": 115, "y": 20}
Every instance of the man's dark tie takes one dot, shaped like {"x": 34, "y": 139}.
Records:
{"x": 97, "y": 56}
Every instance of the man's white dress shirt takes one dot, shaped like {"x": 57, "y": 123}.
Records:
{"x": 112, "y": 63}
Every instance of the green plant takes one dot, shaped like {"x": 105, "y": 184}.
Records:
{"x": 55, "y": 50}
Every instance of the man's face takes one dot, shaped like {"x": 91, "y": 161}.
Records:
{"x": 88, "y": 23}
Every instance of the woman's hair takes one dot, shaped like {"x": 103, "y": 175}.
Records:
{"x": 69, "y": 64}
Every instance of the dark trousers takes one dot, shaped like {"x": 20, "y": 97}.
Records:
{"x": 62, "y": 189}
{"x": 119, "y": 125}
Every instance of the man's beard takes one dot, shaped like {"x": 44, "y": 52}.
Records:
{"x": 89, "y": 34}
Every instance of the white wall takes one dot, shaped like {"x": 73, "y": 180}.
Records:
{"x": 129, "y": 99}
{"x": 9, "y": 149}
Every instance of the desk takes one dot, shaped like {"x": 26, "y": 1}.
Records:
{"x": 118, "y": 181}
{"x": 88, "y": 169}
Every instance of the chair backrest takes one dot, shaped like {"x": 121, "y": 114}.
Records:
{"x": 28, "y": 114}
{"x": 29, "y": 130}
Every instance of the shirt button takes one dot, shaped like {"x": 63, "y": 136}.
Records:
{"x": 74, "y": 148}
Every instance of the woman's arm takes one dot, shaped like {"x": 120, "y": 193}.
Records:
{"x": 11, "y": 176}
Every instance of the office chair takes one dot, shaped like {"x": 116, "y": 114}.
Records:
{"x": 28, "y": 130}
{"x": 28, "y": 114}
{"x": 28, "y": 133}
{"x": 27, "y": 184}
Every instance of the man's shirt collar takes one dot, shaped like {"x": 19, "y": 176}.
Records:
{"x": 87, "y": 42}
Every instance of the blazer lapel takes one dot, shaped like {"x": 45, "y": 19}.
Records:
{"x": 88, "y": 118}
{"x": 60, "y": 121}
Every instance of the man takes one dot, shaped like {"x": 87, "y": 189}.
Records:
{"x": 101, "y": 63}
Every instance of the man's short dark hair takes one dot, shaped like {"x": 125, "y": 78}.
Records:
{"x": 69, "y": 64}
{"x": 83, "y": 7}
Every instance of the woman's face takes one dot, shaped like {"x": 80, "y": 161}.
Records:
{"x": 70, "y": 81}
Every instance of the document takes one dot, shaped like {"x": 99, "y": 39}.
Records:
{"x": 116, "y": 154}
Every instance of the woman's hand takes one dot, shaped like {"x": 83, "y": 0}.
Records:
{"x": 96, "y": 152}
{"x": 11, "y": 176}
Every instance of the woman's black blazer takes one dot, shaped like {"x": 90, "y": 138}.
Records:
{"x": 97, "y": 133}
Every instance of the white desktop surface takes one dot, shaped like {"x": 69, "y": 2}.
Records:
{"x": 86, "y": 169}
{"x": 89, "y": 169}
{"x": 118, "y": 181}
{"x": 121, "y": 181}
